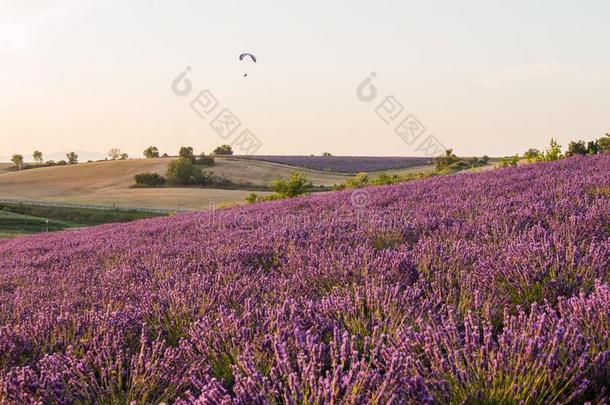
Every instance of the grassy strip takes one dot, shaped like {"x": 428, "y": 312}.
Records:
{"x": 13, "y": 224}
{"x": 9, "y": 234}
{"x": 29, "y": 224}
{"x": 232, "y": 186}
{"x": 77, "y": 216}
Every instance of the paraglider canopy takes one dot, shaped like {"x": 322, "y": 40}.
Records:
{"x": 247, "y": 55}
{"x": 244, "y": 55}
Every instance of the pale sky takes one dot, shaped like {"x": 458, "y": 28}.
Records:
{"x": 484, "y": 77}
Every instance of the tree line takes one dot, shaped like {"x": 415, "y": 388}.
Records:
{"x": 185, "y": 170}
{"x": 554, "y": 151}
{"x": 150, "y": 152}
{"x": 19, "y": 162}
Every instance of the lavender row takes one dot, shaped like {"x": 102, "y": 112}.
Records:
{"x": 344, "y": 164}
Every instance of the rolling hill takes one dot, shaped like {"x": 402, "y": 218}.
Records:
{"x": 109, "y": 182}
{"x": 490, "y": 287}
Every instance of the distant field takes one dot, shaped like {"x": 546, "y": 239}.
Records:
{"x": 109, "y": 183}
{"x": 344, "y": 164}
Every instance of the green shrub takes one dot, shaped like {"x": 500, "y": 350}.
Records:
{"x": 592, "y": 147}
{"x": 576, "y": 148}
{"x": 272, "y": 197}
{"x": 204, "y": 160}
{"x": 149, "y": 179}
{"x": 475, "y": 161}
{"x": 532, "y": 155}
{"x": 459, "y": 165}
{"x": 603, "y": 144}
{"x": 296, "y": 185}
{"x": 182, "y": 171}
{"x": 442, "y": 162}
{"x": 358, "y": 181}
{"x": 509, "y": 161}
{"x": 216, "y": 180}
{"x": 362, "y": 180}
{"x": 384, "y": 179}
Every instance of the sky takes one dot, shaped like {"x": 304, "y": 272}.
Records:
{"x": 481, "y": 76}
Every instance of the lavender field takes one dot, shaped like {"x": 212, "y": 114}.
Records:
{"x": 344, "y": 164}
{"x": 473, "y": 288}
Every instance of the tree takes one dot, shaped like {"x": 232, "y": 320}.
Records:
{"x": 445, "y": 161}
{"x": 72, "y": 158}
{"x": 151, "y": 152}
{"x": 18, "y": 161}
{"x": 223, "y": 150}
{"x": 603, "y": 144}
{"x": 296, "y": 185}
{"x": 114, "y": 153}
{"x": 187, "y": 152}
{"x": 326, "y": 154}
{"x": 592, "y": 148}
{"x": 576, "y": 148}
{"x": 384, "y": 179}
{"x": 532, "y": 155}
{"x": 474, "y": 162}
{"x": 553, "y": 152}
{"x": 37, "y": 155}
{"x": 182, "y": 171}
{"x": 124, "y": 156}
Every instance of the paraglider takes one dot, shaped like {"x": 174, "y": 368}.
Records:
{"x": 246, "y": 55}
{"x": 243, "y": 55}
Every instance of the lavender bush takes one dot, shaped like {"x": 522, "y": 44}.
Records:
{"x": 344, "y": 164}
{"x": 474, "y": 288}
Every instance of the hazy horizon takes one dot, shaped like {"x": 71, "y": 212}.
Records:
{"x": 482, "y": 77}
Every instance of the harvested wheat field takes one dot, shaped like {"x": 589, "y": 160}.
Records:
{"x": 108, "y": 183}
